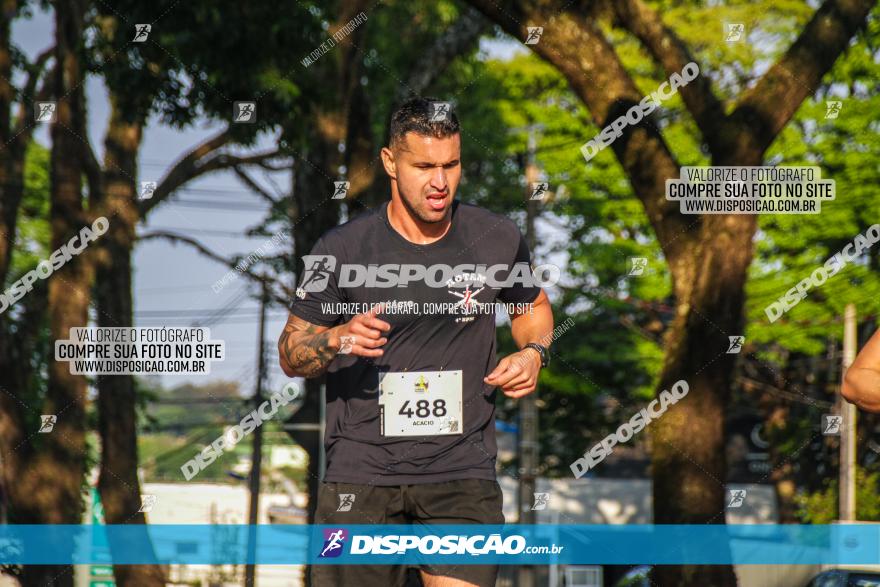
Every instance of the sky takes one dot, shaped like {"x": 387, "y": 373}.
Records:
{"x": 172, "y": 283}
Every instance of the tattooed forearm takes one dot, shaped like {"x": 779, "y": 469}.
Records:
{"x": 312, "y": 355}
{"x": 305, "y": 349}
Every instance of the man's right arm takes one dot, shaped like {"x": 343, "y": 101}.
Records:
{"x": 306, "y": 349}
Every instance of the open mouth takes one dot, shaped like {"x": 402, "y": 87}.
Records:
{"x": 437, "y": 201}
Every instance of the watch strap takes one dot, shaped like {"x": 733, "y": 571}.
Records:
{"x": 542, "y": 350}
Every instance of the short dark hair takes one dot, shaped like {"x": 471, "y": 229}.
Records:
{"x": 415, "y": 115}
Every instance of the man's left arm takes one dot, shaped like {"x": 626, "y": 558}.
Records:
{"x": 517, "y": 374}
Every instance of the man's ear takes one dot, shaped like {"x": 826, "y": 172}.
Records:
{"x": 388, "y": 162}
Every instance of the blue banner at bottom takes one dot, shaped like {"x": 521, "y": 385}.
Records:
{"x": 843, "y": 544}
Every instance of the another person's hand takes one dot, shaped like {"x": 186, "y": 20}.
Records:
{"x": 861, "y": 385}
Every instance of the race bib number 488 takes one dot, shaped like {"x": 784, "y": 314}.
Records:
{"x": 419, "y": 403}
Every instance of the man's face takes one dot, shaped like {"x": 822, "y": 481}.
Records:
{"x": 427, "y": 170}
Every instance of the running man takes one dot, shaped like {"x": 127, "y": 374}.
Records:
{"x": 410, "y": 432}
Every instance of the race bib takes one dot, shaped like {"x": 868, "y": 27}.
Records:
{"x": 420, "y": 403}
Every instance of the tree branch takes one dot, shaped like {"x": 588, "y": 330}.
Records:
{"x": 26, "y": 103}
{"x": 93, "y": 170}
{"x": 253, "y": 185}
{"x": 576, "y": 46}
{"x": 201, "y": 160}
{"x": 672, "y": 54}
{"x": 458, "y": 39}
{"x": 765, "y": 109}
{"x": 260, "y": 279}
{"x": 186, "y": 168}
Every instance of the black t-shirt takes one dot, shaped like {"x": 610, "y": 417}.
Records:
{"x": 357, "y": 452}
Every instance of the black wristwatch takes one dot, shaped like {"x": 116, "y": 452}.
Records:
{"x": 545, "y": 355}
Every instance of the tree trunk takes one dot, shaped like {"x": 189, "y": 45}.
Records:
{"x": 13, "y": 437}
{"x": 690, "y": 477}
{"x": 16, "y": 358}
{"x": 117, "y": 397}
{"x": 11, "y": 152}
{"x": 54, "y": 476}
{"x": 708, "y": 256}
{"x": 14, "y": 444}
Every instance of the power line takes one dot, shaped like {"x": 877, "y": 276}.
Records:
{"x": 195, "y": 400}
{"x": 214, "y": 191}
{"x": 227, "y": 320}
{"x": 220, "y": 205}
{"x": 170, "y": 289}
{"x": 187, "y": 312}
{"x": 222, "y": 312}
{"x": 187, "y": 315}
{"x": 231, "y": 233}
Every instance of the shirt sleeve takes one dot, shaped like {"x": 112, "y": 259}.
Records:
{"x": 317, "y": 294}
{"x": 520, "y": 293}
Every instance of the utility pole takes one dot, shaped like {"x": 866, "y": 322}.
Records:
{"x": 528, "y": 447}
{"x": 847, "y": 487}
{"x": 257, "y": 448}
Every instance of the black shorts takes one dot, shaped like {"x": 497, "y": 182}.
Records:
{"x": 468, "y": 501}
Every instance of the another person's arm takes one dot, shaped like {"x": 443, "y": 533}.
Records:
{"x": 861, "y": 385}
